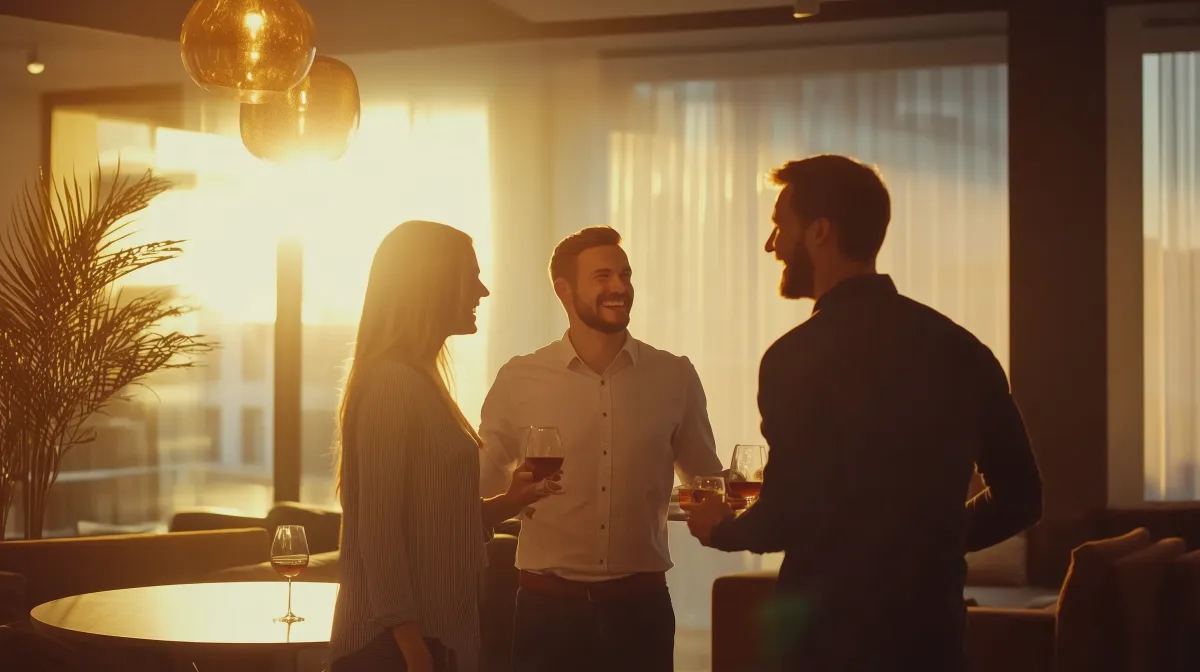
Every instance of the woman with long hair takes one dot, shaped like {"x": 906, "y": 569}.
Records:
{"x": 413, "y": 525}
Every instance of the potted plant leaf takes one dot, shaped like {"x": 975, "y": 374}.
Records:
{"x": 70, "y": 342}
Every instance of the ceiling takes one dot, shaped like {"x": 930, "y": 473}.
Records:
{"x": 360, "y": 26}
{"x": 78, "y": 58}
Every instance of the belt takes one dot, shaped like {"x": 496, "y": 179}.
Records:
{"x": 594, "y": 591}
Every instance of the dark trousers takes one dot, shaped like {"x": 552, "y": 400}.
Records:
{"x": 382, "y": 654}
{"x": 553, "y": 632}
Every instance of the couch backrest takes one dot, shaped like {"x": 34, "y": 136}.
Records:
{"x": 56, "y": 568}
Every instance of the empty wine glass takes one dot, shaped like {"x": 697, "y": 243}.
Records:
{"x": 289, "y": 557}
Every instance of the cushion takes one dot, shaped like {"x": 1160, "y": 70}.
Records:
{"x": 999, "y": 565}
{"x": 1183, "y": 608}
{"x": 1140, "y": 579}
{"x": 1085, "y": 633}
{"x": 322, "y": 525}
{"x": 322, "y": 568}
{"x": 741, "y": 611}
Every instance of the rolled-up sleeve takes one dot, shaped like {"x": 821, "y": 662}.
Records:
{"x": 693, "y": 442}
{"x": 388, "y": 437}
{"x": 501, "y": 443}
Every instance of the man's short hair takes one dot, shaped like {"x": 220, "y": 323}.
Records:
{"x": 564, "y": 263}
{"x": 849, "y": 193}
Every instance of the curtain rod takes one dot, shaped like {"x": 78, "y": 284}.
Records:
{"x": 789, "y": 45}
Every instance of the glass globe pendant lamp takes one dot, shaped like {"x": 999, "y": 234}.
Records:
{"x": 249, "y": 50}
{"x": 315, "y": 121}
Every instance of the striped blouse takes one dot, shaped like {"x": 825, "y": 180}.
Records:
{"x": 412, "y": 546}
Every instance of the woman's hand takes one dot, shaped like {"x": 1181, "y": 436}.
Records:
{"x": 412, "y": 644}
{"x": 523, "y": 490}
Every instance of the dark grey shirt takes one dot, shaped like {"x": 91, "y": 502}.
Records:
{"x": 877, "y": 410}
{"x": 412, "y": 536}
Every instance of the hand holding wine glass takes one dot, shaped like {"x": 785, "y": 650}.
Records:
{"x": 746, "y": 473}
{"x": 544, "y": 457}
{"x": 289, "y": 557}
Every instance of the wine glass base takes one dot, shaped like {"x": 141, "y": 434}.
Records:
{"x": 288, "y": 618}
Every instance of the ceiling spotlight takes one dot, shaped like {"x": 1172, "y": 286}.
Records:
{"x": 802, "y": 9}
{"x": 33, "y": 64}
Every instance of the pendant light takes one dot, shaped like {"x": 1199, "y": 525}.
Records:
{"x": 314, "y": 121}
{"x": 250, "y": 50}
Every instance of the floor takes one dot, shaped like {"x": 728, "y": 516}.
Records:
{"x": 692, "y": 650}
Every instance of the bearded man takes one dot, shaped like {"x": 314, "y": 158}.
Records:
{"x": 593, "y": 558}
{"x": 877, "y": 410}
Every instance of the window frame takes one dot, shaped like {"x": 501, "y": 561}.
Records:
{"x": 1133, "y": 33}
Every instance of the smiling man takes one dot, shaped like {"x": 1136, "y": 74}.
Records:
{"x": 877, "y": 409}
{"x": 593, "y": 558}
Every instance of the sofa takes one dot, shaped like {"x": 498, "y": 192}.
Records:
{"x": 55, "y": 568}
{"x": 1129, "y": 603}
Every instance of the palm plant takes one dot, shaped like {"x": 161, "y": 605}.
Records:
{"x": 70, "y": 343}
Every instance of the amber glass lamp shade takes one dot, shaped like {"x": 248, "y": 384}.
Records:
{"x": 250, "y": 50}
{"x": 314, "y": 121}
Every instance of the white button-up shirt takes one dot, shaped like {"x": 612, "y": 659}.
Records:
{"x": 625, "y": 434}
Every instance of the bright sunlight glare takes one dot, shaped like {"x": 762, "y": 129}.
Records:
{"x": 404, "y": 164}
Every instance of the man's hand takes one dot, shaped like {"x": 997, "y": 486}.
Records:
{"x": 702, "y": 518}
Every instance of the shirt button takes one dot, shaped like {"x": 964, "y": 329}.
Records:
{"x": 603, "y": 489}
{"x": 602, "y": 383}
{"x": 602, "y": 527}
{"x": 606, "y": 452}
{"x": 604, "y": 414}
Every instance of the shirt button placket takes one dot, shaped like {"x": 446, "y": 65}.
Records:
{"x": 605, "y": 468}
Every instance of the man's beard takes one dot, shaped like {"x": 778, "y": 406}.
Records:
{"x": 590, "y": 315}
{"x": 798, "y": 280}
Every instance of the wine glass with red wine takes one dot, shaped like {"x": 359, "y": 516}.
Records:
{"x": 543, "y": 452}
{"x": 746, "y": 472}
{"x": 289, "y": 557}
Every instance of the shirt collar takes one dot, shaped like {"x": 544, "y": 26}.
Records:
{"x": 856, "y": 289}
{"x": 568, "y": 354}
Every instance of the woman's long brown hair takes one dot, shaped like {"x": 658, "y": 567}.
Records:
{"x": 416, "y": 282}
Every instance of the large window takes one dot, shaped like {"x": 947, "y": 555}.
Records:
{"x": 1171, "y": 271}
{"x": 207, "y": 436}
{"x": 409, "y": 162}
{"x": 199, "y": 437}
{"x": 688, "y": 162}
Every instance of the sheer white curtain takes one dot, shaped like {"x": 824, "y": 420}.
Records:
{"x": 688, "y": 160}
{"x": 1171, "y": 221}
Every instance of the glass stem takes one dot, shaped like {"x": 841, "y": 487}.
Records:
{"x": 289, "y": 611}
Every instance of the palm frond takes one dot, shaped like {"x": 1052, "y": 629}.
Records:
{"x": 70, "y": 341}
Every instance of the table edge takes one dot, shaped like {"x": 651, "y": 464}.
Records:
{"x": 69, "y": 635}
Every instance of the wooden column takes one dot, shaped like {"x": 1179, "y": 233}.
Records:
{"x": 1057, "y": 209}
{"x": 288, "y": 362}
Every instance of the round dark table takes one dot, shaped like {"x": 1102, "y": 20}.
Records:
{"x": 194, "y": 619}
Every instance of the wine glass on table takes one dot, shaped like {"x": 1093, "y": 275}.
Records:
{"x": 289, "y": 557}
{"x": 543, "y": 452}
{"x": 746, "y": 474}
